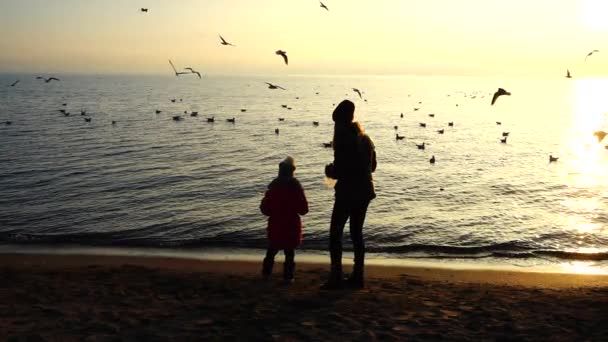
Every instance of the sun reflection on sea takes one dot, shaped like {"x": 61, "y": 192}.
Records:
{"x": 582, "y": 267}
{"x": 587, "y": 159}
{"x": 586, "y": 164}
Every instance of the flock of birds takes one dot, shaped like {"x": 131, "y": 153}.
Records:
{"x": 568, "y": 74}
{"x": 191, "y": 71}
{"x": 600, "y": 135}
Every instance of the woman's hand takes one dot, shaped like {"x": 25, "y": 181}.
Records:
{"x": 330, "y": 171}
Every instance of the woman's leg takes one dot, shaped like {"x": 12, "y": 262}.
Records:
{"x": 339, "y": 216}
{"x": 357, "y": 218}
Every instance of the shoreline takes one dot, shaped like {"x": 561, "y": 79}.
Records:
{"x": 528, "y": 265}
{"x": 250, "y": 264}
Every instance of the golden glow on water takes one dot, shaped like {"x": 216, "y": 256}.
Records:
{"x": 582, "y": 267}
{"x": 589, "y": 114}
{"x": 586, "y": 162}
{"x": 580, "y": 223}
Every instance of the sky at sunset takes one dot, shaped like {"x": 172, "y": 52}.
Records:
{"x": 466, "y": 37}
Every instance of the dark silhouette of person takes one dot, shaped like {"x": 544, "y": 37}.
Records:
{"x": 354, "y": 162}
{"x": 284, "y": 202}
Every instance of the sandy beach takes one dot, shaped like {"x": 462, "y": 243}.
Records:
{"x": 117, "y": 298}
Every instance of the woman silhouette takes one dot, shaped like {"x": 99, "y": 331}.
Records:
{"x": 354, "y": 162}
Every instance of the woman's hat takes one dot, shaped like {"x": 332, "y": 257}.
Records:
{"x": 344, "y": 112}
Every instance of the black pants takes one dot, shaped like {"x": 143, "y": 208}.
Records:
{"x": 290, "y": 255}
{"x": 343, "y": 210}
{"x": 288, "y": 266}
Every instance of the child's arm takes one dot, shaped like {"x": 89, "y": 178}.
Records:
{"x": 302, "y": 202}
{"x": 265, "y": 205}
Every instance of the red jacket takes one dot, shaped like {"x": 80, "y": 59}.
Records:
{"x": 284, "y": 202}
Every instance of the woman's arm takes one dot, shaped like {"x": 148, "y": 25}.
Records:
{"x": 265, "y": 205}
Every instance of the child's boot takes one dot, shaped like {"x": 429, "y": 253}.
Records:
{"x": 288, "y": 272}
{"x": 267, "y": 267}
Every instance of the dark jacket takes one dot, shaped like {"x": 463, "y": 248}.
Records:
{"x": 354, "y": 163}
{"x": 284, "y": 202}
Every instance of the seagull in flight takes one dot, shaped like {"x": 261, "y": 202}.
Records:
{"x": 224, "y": 42}
{"x": 591, "y": 53}
{"x": 498, "y": 93}
{"x": 175, "y": 70}
{"x": 274, "y": 86}
{"x": 358, "y": 92}
{"x": 323, "y": 5}
{"x": 192, "y": 71}
{"x": 47, "y": 80}
{"x": 14, "y": 83}
{"x": 282, "y": 54}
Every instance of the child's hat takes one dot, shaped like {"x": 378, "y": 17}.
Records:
{"x": 288, "y": 164}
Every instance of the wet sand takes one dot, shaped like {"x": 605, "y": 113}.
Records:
{"x": 118, "y": 298}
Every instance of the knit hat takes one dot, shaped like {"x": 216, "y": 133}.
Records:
{"x": 344, "y": 112}
{"x": 287, "y": 166}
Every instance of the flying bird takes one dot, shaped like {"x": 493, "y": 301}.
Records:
{"x": 274, "y": 86}
{"x": 193, "y": 72}
{"x": 224, "y": 42}
{"x": 14, "y": 83}
{"x": 591, "y": 53}
{"x": 568, "y": 74}
{"x": 282, "y": 54}
{"x": 175, "y": 70}
{"x": 323, "y": 5}
{"x": 358, "y": 92}
{"x": 498, "y": 93}
{"x": 47, "y": 80}
{"x": 600, "y": 135}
